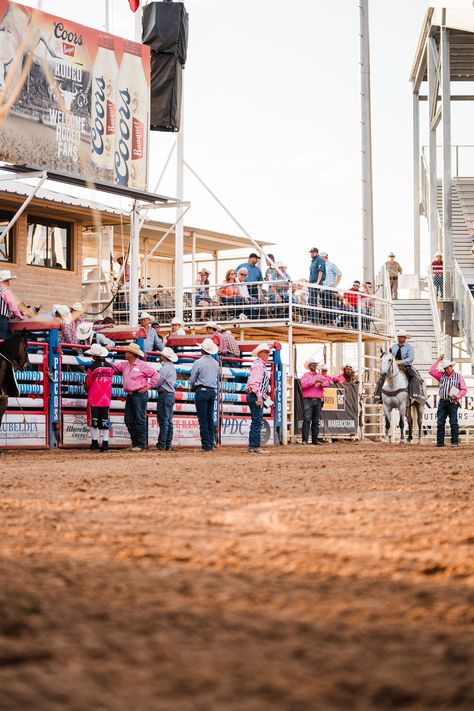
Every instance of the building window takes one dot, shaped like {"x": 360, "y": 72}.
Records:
{"x": 6, "y": 240}
{"x": 49, "y": 243}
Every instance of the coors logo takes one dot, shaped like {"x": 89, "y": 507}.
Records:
{"x": 103, "y": 104}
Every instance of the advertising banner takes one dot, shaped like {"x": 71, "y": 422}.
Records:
{"x": 73, "y": 99}
{"x": 76, "y": 433}
{"x": 465, "y": 410}
{"x": 234, "y": 431}
{"x": 340, "y": 415}
{"x": 18, "y": 430}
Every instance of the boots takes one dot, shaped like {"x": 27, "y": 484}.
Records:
{"x": 94, "y": 447}
{"x": 105, "y": 447}
{"x": 378, "y": 390}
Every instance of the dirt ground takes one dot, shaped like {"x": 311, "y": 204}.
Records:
{"x": 338, "y": 577}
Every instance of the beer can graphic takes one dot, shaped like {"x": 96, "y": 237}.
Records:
{"x": 132, "y": 120}
{"x": 103, "y": 104}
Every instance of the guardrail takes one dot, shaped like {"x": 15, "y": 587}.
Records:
{"x": 464, "y": 307}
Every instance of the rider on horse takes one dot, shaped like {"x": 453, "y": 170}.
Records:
{"x": 404, "y": 354}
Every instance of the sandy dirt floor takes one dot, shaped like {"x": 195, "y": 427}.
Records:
{"x": 338, "y": 577}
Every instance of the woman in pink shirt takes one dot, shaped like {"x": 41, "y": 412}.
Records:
{"x": 312, "y": 390}
{"x": 138, "y": 377}
{"x": 452, "y": 389}
{"x": 8, "y": 306}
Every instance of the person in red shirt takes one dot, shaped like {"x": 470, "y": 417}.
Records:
{"x": 437, "y": 269}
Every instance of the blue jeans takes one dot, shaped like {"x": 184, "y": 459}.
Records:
{"x": 204, "y": 400}
{"x": 447, "y": 408}
{"x": 311, "y": 415}
{"x": 3, "y": 328}
{"x": 164, "y": 413}
{"x": 256, "y": 424}
{"x": 135, "y": 418}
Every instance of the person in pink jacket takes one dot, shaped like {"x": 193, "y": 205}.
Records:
{"x": 312, "y": 390}
{"x": 452, "y": 389}
{"x": 99, "y": 394}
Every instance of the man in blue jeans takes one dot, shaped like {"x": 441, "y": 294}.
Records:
{"x": 203, "y": 381}
{"x": 258, "y": 387}
{"x": 452, "y": 389}
{"x": 317, "y": 275}
{"x": 165, "y": 404}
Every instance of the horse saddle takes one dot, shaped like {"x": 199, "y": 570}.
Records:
{"x": 417, "y": 388}
{"x": 9, "y": 386}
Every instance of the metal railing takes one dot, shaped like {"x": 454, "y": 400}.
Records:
{"x": 435, "y": 290}
{"x": 462, "y": 160}
{"x": 464, "y": 308}
{"x": 289, "y": 303}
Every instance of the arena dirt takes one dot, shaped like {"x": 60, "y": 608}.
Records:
{"x": 338, "y": 577}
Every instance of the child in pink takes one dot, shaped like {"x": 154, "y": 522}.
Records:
{"x": 99, "y": 394}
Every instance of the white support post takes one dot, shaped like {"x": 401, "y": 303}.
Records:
{"x": 179, "y": 243}
{"x": 432, "y": 99}
{"x": 447, "y": 177}
{"x": 366, "y": 145}
{"x": 416, "y": 183}
{"x": 193, "y": 277}
{"x": 134, "y": 265}
{"x": 292, "y": 383}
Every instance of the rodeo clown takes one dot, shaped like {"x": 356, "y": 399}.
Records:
{"x": 452, "y": 389}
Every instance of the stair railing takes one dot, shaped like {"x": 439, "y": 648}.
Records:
{"x": 432, "y": 293}
{"x": 464, "y": 308}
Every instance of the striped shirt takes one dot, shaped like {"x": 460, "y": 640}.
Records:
{"x": 446, "y": 382}
{"x": 8, "y": 307}
{"x": 258, "y": 381}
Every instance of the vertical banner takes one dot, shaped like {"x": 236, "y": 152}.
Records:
{"x": 73, "y": 99}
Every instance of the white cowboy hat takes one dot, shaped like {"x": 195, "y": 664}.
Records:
{"x": 208, "y": 346}
{"x": 403, "y": 333}
{"x": 77, "y": 306}
{"x": 213, "y": 324}
{"x": 261, "y": 347}
{"x": 97, "y": 350}
{"x": 392, "y": 254}
{"x": 438, "y": 254}
{"x": 64, "y": 311}
{"x": 323, "y": 366}
{"x": 135, "y": 349}
{"x": 144, "y": 315}
{"x": 169, "y": 354}
{"x": 446, "y": 364}
{"x": 176, "y": 321}
{"x": 84, "y": 330}
{"x": 309, "y": 362}
{"x": 6, "y": 275}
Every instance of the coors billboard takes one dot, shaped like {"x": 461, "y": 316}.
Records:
{"x": 72, "y": 99}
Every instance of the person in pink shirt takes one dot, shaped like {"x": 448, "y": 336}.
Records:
{"x": 138, "y": 377}
{"x": 347, "y": 376}
{"x": 312, "y": 390}
{"x": 98, "y": 385}
{"x": 452, "y": 389}
{"x": 8, "y": 305}
{"x": 258, "y": 388}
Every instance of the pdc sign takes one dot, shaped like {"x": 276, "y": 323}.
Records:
{"x": 77, "y": 100}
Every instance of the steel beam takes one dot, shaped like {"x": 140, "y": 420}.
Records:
{"x": 416, "y": 184}
{"x": 433, "y": 208}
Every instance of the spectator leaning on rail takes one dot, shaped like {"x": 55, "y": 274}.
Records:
{"x": 258, "y": 387}
{"x": 85, "y": 335}
{"x": 394, "y": 269}
{"x": 254, "y": 274}
{"x": 317, "y": 275}
{"x": 331, "y": 281}
{"x": 437, "y": 269}
{"x": 99, "y": 394}
{"x": 8, "y": 305}
{"x": 226, "y": 344}
{"x": 203, "y": 381}
{"x": 138, "y": 377}
{"x": 152, "y": 340}
{"x": 452, "y": 389}
{"x": 312, "y": 390}
{"x": 166, "y": 396}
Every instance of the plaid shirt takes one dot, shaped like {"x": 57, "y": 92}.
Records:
{"x": 332, "y": 272}
{"x": 231, "y": 344}
{"x": 67, "y": 334}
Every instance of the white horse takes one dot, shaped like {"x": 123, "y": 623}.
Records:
{"x": 395, "y": 397}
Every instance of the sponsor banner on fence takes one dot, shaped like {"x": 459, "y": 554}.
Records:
{"x": 234, "y": 431}
{"x": 185, "y": 431}
{"x": 76, "y": 99}
{"x": 465, "y": 411}
{"x": 23, "y": 430}
{"x": 340, "y": 415}
{"x": 76, "y": 433}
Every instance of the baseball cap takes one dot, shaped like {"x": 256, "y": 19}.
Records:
{"x": 323, "y": 254}
{"x": 314, "y": 249}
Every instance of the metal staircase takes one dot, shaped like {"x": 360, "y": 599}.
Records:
{"x": 416, "y": 317}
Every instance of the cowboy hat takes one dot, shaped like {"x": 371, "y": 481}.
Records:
{"x": 208, "y": 346}
{"x": 169, "y": 354}
{"x": 176, "y": 321}
{"x": 392, "y": 254}
{"x": 404, "y": 333}
{"x": 203, "y": 270}
{"x": 135, "y": 349}
{"x": 446, "y": 364}
{"x": 309, "y": 362}
{"x": 323, "y": 366}
{"x": 97, "y": 350}
{"x": 144, "y": 315}
{"x": 63, "y": 311}
{"x": 260, "y": 348}
{"x": 6, "y": 275}
{"x": 438, "y": 254}
{"x": 213, "y": 324}
{"x": 77, "y": 306}
{"x": 84, "y": 330}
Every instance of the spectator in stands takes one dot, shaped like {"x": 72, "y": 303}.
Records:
{"x": 85, "y": 335}
{"x": 152, "y": 340}
{"x": 254, "y": 274}
{"x": 229, "y": 293}
{"x": 138, "y": 377}
{"x": 279, "y": 285}
{"x": 258, "y": 388}
{"x": 312, "y": 390}
{"x": 350, "y": 306}
{"x": 317, "y": 275}
{"x": 393, "y": 269}
{"x": 8, "y": 304}
{"x": 452, "y": 389}
{"x": 437, "y": 267}
{"x": 203, "y": 380}
{"x": 270, "y": 268}
{"x": 98, "y": 385}
{"x": 166, "y": 397}
{"x": 368, "y": 305}
{"x": 202, "y": 296}
{"x": 328, "y": 296}
{"x": 68, "y": 331}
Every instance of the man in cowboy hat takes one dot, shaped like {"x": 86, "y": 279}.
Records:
{"x": 176, "y": 328}
{"x": 165, "y": 404}
{"x": 152, "y": 340}
{"x": 393, "y": 269}
{"x": 8, "y": 305}
{"x": 98, "y": 385}
{"x": 203, "y": 380}
{"x": 404, "y": 354}
{"x": 452, "y": 389}
{"x": 214, "y": 332}
{"x": 85, "y": 334}
{"x": 138, "y": 378}
{"x": 258, "y": 387}
{"x": 312, "y": 391}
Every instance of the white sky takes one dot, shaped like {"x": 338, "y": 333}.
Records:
{"x": 272, "y": 121}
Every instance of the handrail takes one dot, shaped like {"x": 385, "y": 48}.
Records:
{"x": 440, "y": 336}
{"x": 464, "y": 307}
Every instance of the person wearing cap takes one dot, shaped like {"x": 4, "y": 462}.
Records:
{"x": 404, "y": 355}
{"x": 312, "y": 391}
{"x": 203, "y": 380}
{"x": 166, "y": 396}
{"x": 269, "y": 261}
{"x": 347, "y": 376}
{"x": 258, "y": 387}
{"x": 8, "y": 304}
{"x": 254, "y": 274}
{"x": 317, "y": 275}
{"x": 152, "y": 340}
{"x": 87, "y": 335}
{"x": 452, "y": 389}
{"x": 393, "y": 269}
{"x": 68, "y": 330}
{"x": 329, "y": 295}
{"x": 138, "y": 378}
{"x": 98, "y": 385}
{"x": 437, "y": 270}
